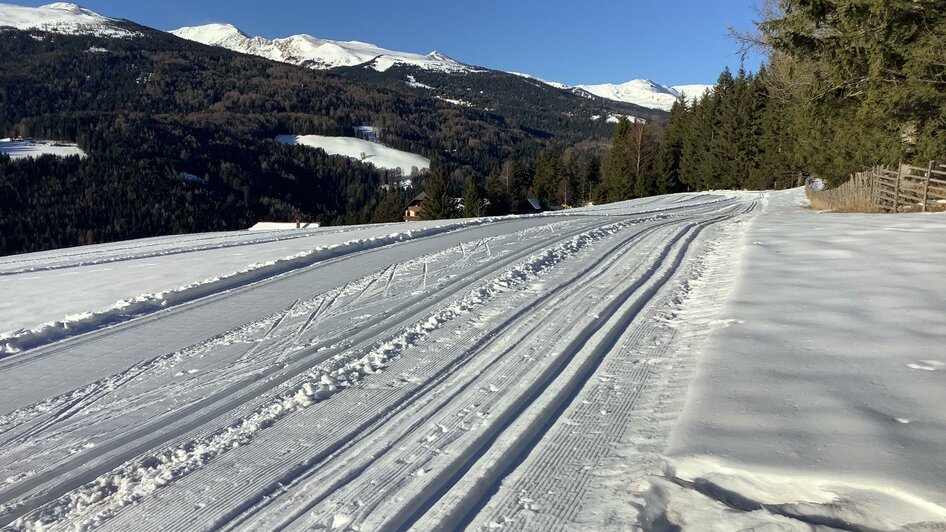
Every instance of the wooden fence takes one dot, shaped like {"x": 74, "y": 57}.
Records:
{"x": 881, "y": 189}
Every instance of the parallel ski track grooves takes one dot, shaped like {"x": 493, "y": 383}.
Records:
{"x": 312, "y": 468}
{"x": 539, "y": 465}
{"x": 47, "y": 350}
{"x": 238, "y": 516}
{"x": 207, "y": 247}
{"x": 161, "y": 432}
{"x": 460, "y": 516}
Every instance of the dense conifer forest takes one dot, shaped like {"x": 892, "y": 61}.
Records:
{"x": 848, "y": 84}
{"x": 153, "y": 109}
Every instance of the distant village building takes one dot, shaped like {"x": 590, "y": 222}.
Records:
{"x": 412, "y": 212}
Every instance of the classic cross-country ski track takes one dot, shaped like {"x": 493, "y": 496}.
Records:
{"x": 475, "y": 374}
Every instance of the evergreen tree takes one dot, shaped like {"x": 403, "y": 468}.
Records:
{"x": 472, "y": 199}
{"x": 500, "y": 201}
{"x": 546, "y": 175}
{"x": 618, "y": 183}
{"x": 440, "y": 201}
{"x": 667, "y": 162}
{"x": 390, "y": 208}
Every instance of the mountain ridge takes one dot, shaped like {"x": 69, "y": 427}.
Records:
{"x": 312, "y": 52}
{"x": 63, "y": 18}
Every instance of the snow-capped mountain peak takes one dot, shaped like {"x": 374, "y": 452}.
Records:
{"x": 71, "y": 7}
{"x": 61, "y": 17}
{"x": 642, "y": 92}
{"x": 316, "y": 53}
{"x": 646, "y": 93}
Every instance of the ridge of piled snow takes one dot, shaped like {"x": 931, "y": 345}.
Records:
{"x": 379, "y": 156}
{"x": 315, "y": 53}
{"x": 61, "y": 17}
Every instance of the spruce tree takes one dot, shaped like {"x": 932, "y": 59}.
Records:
{"x": 472, "y": 199}
{"x": 439, "y": 190}
{"x": 667, "y": 163}
{"x": 617, "y": 183}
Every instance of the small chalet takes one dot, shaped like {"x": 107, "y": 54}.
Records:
{"x": 414, "y": 208}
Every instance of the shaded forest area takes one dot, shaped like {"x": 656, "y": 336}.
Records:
{"x": 149, "y": 110}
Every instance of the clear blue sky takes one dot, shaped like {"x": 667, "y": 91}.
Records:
{"x": 593, "y": 41}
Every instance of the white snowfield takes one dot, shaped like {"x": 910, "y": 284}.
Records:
{"x": 642, "y": 92}
{"x": 375, "y": 154}
{"x": 61, "y": 17}
{"x": 312, "y": 52}
{"x": 646, "y": 93}
{"x": 23, "y": 149}
{"x": 820, "y": 393}
{"x": 495, "y": 373}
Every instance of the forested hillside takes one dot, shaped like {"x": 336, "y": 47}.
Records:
{"x": 150, "y": 109}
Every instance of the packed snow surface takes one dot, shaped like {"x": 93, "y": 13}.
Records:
{"x": 510, "y": 372}
{"x": 379, "y": 156}
{"x": 61, "y": 17}
{"x": 819, "y": 395}
{"x": 22, "y": 149}
{"x": 312, "y": 52}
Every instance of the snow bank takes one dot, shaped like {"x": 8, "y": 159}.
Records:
{"x": 370, "y": 152}
{"x": 820, "y": 397}
{"x": 14, "y": 341}
{"x": 61, "y": 17}
{"x": 22, "y": 149}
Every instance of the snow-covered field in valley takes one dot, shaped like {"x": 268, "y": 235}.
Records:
{"x": 379, "y": 156}
{"x": 494, "y": 373}
{"x": 21, "y": 149}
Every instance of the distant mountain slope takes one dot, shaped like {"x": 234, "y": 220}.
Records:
{"x": 646, "y": 93}
{"x": 311, "y": 52}
{"x": 63, "y": 18}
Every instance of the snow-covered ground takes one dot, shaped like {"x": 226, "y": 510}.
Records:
{"x": 497, "y": 373}
{"x": 21, "y": 149}
{"x": 60, "y": 17}
{"x": 372, "y": 153}
{"x": 820, "y": 393}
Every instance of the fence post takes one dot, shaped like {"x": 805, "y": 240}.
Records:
{"x": 896, "y": 190}
{"x": 926, "y": 186}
